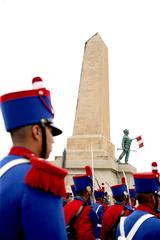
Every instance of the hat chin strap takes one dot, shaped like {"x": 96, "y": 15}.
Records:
{"x": 44, "y": 143}
{"x": 156, "y": 204}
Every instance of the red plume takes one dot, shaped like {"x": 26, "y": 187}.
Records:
{"x": 123, "y": 180}
{"x": 37, "y": 83}
{"x": 154, "y": 167}
{"x": 88, "y": 171}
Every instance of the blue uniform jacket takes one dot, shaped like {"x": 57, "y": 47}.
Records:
{"x": 25, "y": 212}
{"x": 99, "y": 210}
{"x": 149, "y": 230}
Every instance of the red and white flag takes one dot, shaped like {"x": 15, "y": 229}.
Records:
{"x": 140, "y": 141}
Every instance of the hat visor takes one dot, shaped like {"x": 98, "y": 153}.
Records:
{"x": 55, "y": 131}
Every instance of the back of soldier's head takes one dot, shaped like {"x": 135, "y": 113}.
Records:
{"x": 143, "y": 198}
{"x": 120, "y": 198}
{"x": 20, "y": 134}
{"x": 146, "y": 185}
{"x": 119, "y": 192}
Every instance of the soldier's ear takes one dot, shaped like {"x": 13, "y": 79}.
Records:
{"x": 36, "y": 132}
{"x": 152, "y": 199}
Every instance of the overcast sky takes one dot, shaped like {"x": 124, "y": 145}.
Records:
{"x": 46, "y": 38}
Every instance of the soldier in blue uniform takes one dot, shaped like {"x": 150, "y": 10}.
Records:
{"x": 112, "y": 215}
{"x": 143, "y": 223}
{"x": 79, "y": 216}
{"x": 99, "y": 208}
{"x": 31, "y": 189}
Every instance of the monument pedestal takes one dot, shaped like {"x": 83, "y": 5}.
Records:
{"x": 106, "y": 171}
{"x": 80, "y": 147}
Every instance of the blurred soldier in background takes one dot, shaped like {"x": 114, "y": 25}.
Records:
{"x": 68, "y": 198}
{"x": 79, "y": 216}
{"x": 112, "y": 215}
{"x": 99, "y": 208}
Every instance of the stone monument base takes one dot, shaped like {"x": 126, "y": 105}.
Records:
{"x": 106, "y": 171}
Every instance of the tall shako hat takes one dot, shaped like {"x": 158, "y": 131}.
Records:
{"x": 85, "y": 181}
{"x": 146, "y": 182}
{"x": 118, "y": 190}
{"x": 99, "y": 193}
{"x": 28, "y": 107}
{"x": 73, "y": 188}
{"x": 132, "y": 192}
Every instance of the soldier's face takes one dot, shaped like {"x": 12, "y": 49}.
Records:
{"x": 49, "y": 140}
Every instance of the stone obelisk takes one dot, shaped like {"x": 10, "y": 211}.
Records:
{"x": 90, "y": 143}
{"x": 92, "y": 121}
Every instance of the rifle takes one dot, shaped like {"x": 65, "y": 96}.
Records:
{"x": 97, "y": 182}
{"x": 129, "y": 150}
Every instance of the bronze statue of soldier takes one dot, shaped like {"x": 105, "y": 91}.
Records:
{"x": 126, "y": 143}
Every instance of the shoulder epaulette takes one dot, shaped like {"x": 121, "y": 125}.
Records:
{"x": 46, "y": 176}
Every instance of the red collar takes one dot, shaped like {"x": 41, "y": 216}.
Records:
{"x": 21, "y": 151}
{"x": 146, "y": 209}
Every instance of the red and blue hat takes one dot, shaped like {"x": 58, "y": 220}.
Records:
{"x": 132, "y": 192}
{"x": 146, "y": 182}
{"x": 118, "y": 190}
{"x": 28, "y": 107}
{"x": 85, "y": 181}
{"x": 98, "y": 193}
{"x": 82, "y": 182}
{"x": 73, "y": 188}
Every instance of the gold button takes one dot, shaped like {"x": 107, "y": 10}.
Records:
{"x": 40, "y": 92}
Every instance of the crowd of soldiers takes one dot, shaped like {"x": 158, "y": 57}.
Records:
{"x": 32, "y": 189}
{"x": 133, "y": 213}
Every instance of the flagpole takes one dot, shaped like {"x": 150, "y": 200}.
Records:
{"x": 126, "y": 182}
{"x": 127, "y": 186}
{"x": 92, "y": 166}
